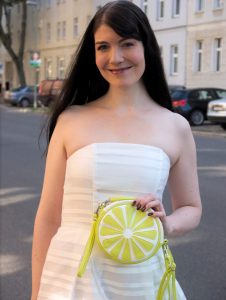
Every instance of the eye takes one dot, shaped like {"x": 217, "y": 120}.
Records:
{"x": 128, "y": 44}
{"x": 102, "y": 47}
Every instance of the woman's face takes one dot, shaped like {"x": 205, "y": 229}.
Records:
{"x": 120, "y": 60}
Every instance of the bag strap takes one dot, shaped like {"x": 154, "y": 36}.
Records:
{"x": 88, "y": 248}
{"x": 169, "y": 273}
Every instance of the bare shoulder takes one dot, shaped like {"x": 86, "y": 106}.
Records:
{"x": 177, "y": 134}
{"x": 71, "y": 112}
{"x": 183, "y": 136}
{"x": 74, "y": 127}
{"x": 182, "y": 126}
{"x": 73, "y": 115}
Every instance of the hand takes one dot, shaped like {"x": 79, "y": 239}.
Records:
{"x": 152, "y": 205}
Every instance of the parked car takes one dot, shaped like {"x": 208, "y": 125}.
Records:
{"x": 48, "y": 90}
{"x": 193, "y": 103}
{"x": 21, "y": 96}
{"x": 217, "y": 112}
{"x": 173, "y": 88}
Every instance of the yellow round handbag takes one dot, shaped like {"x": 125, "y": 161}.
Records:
{"x": 128, "y": 236}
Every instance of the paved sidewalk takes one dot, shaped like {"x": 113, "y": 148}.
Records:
{"x": 209, "y": 129}
{"x": 206, "y": 129}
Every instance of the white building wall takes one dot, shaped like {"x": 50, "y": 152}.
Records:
{"x": 169, "y": 20}
{"x": 206, "y": 25}
{"x": 166, "y": 40}
{"x": 170, "y": 30}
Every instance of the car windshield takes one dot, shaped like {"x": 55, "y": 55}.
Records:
{"x": 179, "y": 94}
{"x": 30, "y": 89}
{"x": 18, "y": 89}
{"x": 23, "y": 89}
{"x": 221, "y": 93}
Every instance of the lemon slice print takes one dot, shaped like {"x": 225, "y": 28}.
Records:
{"x": 128, "y": 235}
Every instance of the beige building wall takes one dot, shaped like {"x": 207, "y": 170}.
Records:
{"x": 52, "y": 32}
{"x": 205, "y": 26}
{"x": 60, "y": 29}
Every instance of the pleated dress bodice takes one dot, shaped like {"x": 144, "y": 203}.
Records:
{"x": 93, "y": 174}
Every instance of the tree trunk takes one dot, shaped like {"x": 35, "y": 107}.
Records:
{"x": 20, "y": 71}
{"x": 6, "y": 38}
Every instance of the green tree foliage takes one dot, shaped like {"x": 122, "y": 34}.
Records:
{"x": 6, "y": 34}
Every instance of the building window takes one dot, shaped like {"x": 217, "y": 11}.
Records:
{"x": 160, "y": 12}
{"x": 58, "y": 30}
{"x": 145, "y": 6}
{"x": 63, "y": 29}
{"x": 198, "y": 56}
{"x": 75, "y": 27}
{"x": 217, "y": 54}
{"x": 60, "y": 67}
{"x": 176, "y": 8}
{"x": 48, "y": 68}
{"x": 48, "y": 32}
{"x": 174, "y": 60}
{"x": 217, "y": 4}
{"x": 199, "y": 5}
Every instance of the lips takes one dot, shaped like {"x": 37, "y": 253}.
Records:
{"x": 118, "y": 71}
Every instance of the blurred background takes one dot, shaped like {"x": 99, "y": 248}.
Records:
{"x": 37, "y": 42}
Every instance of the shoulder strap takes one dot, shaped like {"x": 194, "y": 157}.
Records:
{"x": 88, "y": 248}
{"x": 169, "y": 273}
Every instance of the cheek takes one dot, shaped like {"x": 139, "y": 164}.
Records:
{"x": 139, "y": 60}
{"x": 99, "y": 61}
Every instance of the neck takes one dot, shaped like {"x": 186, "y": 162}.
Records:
{"x": 127, "y": 98}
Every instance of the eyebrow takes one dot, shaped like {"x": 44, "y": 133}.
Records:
{"x": 104, "y": 42}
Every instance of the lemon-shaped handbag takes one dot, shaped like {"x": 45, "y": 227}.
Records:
{"x": 128, "y": 236}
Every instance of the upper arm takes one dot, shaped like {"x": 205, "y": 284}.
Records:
{"x": 183, "y": 178}
{"x": 52, "y": 192}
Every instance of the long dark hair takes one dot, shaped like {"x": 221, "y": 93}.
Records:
{"x": 84, "y": 82}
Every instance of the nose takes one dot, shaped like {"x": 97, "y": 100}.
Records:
{"x": 116, "y": 55}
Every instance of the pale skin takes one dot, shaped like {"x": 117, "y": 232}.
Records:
{"x": 126, "y": 114}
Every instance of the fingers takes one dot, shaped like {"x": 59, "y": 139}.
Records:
{"x": 150, "y": 204}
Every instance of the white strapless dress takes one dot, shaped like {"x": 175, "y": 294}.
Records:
{"x": 93, "y": 174}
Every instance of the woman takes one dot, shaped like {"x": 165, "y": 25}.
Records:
{"x": 112, "y": 133}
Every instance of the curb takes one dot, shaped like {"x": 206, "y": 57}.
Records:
{"x": 209, "y": 133}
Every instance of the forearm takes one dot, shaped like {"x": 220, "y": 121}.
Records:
{"x": 182, "y": 220}
{"x": 43, "y": 233}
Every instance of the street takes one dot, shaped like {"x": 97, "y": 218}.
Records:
{"x": 199, "y": 255}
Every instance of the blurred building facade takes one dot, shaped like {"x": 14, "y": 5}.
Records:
{"x": 191, "y": 36}
{"x": 206, "y": 43}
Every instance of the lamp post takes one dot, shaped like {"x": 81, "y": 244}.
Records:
{"x": 35, "y": 60}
